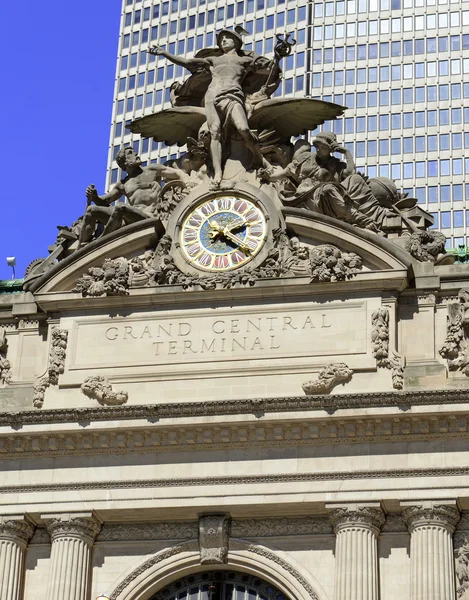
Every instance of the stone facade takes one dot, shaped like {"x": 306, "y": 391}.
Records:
{"x": 299, "y": 418}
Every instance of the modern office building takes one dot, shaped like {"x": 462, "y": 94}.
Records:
{"x": 400, "y": 66}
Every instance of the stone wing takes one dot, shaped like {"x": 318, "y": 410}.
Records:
{"x": 293, "y": 116}
{"x": 172, "y": 126}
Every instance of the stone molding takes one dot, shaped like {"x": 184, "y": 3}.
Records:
{"x": 192, "y": 546}
{"x": 362, "y": 517}
{"x": 437, "y": 515}
{"x": 214, "y": 538}
{"x": 16, "y": 530}
{"x": 246, "y": 479}
{"x": 85, "y": 528}
{"x": 209, "y": 436}
{"x": 148, "y": 531}
{"x": 400, "y": 399}
{"x": 253, "y": 528}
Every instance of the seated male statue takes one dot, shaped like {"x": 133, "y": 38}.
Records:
{"x": 142, "y": 189}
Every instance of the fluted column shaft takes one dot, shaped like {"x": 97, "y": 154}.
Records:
{"x": 356, "y": 576}
{"x": 431, "y": 551}
{"x": 72, "y": 539}
{"x": 15, "y": 534}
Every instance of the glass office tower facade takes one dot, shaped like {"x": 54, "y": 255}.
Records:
{"x": 400, "y": 66}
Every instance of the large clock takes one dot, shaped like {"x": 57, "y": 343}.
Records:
{"x": 223, "y": 233}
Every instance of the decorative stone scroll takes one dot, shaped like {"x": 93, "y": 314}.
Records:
{"x": 328, "y": 378}
{"x": 380, "y": 345}
{"x": 56, "y": 365}
{"x": 5, "y": 367}
{"x": 214, "y": 539}
{"x": 98, "y": 388}
{"x": 456, "y": 346}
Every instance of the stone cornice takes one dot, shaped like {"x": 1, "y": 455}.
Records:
{"x": 16, "y": 530}
{"x": 210, "y": 436}
{"x": 85, "y": 528}
{"x": 400, "y": 399}
{"x": 363, "y": 517}
{"x": 438, "y": 515}
{"x": 247, "y": 479}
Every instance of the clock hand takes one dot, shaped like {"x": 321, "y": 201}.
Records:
{"x": 238, "y": 241}
{"x": 236, "y": 225}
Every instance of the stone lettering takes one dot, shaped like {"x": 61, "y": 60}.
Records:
{"x": 188, "y": 346}
{"x": 157, "y": 347}
{"x": 128, "y": 331}
{"x": 112, "y": 333}
{"x": 273, "y": 343}
{"x": 184, "y": 329}
{"x": 218, "y": 327}
{"x": 234, "y": 326}
{"x": 251, "y": 323}
{"x": 146, "y": 332}
{"x": 207, "y": 347}
{"x": 172, "y": 347}
{"x": 237, "y": 344}
{"x": 257, "y": 345}
{"x": 165, "y": 331}
{"x": 308, "y": 323}
{"x": 323, "y": 326}
{"x": 288, "y": 321}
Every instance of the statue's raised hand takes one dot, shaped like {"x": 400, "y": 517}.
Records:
{"x": 156, "y": 50}
{"x": 91, "y": 194}
{"x": 338, "y": 148}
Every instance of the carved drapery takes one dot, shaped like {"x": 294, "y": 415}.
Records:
{"x": 431, "y": 551}
{"x": 356, "y": 532}
{"x": 72, "y": 538}
{"x": 15, "y": 533}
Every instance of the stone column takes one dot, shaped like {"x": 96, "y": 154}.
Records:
{"x": 72, "y": 538}
{"x": 356, "y": 559}
{"x": 431, "y": 528}
{"x": 15, "y": 533}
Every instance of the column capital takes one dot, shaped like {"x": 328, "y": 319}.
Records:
{"x": 82, "y": 525}
{"x": 430, "y": 514}
{"x": 365, "y": 517}
{"x": 16, "y": 529}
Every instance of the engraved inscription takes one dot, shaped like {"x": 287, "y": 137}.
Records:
{"x": 227, "y": 335}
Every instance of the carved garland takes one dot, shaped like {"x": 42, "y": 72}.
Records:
{"x": 380, "y": 345}
{"x": 332, "y": 375}
{"x": 5, "y": 367}
{"x": 325, "y": 263}
{"x": 98, "y": 388}
{"x": 56, "y": 365}
{"x": 456, "y": 346}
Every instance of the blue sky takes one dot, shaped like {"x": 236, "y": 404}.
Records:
{"x": 58, "y": 70}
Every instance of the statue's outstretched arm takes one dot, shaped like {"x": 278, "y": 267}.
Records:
{"x": 169, "y": 172}
{"x": 106, "y": 199}
{"x": 187, "y": 63}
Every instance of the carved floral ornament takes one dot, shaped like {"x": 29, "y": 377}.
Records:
{"x": 380, "y": 345}
{"x": 288, "y": 258}
{"x": 85, "y": 528}
{"x": 361, "y": 517}
{"x": 56, "y": 366}
{"x": 456, "y": 346}
{"x": 438, "y": 515}
{"x": 16, "y": 530}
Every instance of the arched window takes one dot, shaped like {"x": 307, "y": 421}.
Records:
{"x": 220, "y": 585}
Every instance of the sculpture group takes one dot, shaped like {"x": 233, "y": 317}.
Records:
{"x": 236, "y": 132}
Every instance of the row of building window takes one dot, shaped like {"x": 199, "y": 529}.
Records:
{"x": 420, "y": 70}
{"x": 176, "y": 6}
{"x": 388, "y": 26}
{"x": 209, "y": 17}
{"x": 417, "y": 95}
{"x": 183, "y": 25}
{"x": 352, "y": 7}
{"x": 414, "y": 145}
{"x": 398, "y": 121}
{"x": 431, "y": 45}
{"x": 419, "y": 169}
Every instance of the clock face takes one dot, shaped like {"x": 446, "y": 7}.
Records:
{"x": 223, "y": 234}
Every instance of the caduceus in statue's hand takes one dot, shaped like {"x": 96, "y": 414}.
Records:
{"x": 224, "y": 99}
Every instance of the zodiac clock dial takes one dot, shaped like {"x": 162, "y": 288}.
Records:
{"x": 223, "y": 233}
